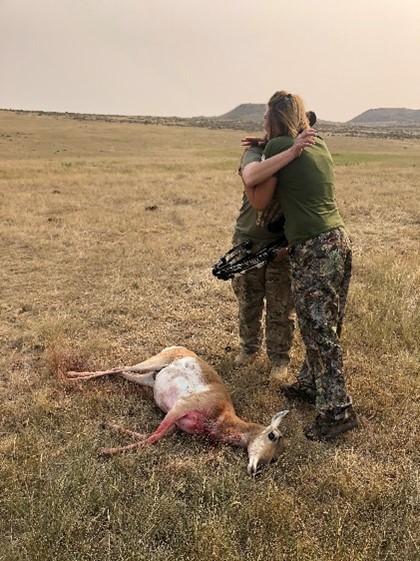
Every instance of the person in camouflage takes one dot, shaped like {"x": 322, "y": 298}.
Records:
{"x": 265, "y": 287}
{"x": 269, "y": 286}
{"x": 320, "y": 257}
{"x": 321, "y": 271}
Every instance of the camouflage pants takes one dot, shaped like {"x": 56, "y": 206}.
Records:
{"x": 321, "y": 271}
{"x": 267, "y": 286}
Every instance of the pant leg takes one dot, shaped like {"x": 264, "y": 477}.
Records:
{"x": 305, "y": 377}
{"x": 250, "y": 291}
{"x": 344, "y": 290}
{"x": 280, "y": 316}
{"x": 319, "y": 269}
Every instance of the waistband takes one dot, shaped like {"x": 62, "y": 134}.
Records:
{"x": 328, "y": 236}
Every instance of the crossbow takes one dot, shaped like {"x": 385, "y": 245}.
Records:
{"x": 240, "y": 259}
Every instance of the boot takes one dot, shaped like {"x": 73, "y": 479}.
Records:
{"x": 326, "y": 427}
{"x": 280, "y": 372}
{"x": 296, "y": 392}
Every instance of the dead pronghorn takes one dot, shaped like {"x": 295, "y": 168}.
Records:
{"x": 194, "y": 398}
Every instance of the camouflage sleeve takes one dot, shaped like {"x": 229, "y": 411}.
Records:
{"x": 250, "y": 155}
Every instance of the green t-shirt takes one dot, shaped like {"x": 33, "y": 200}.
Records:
{"x": 305, "y": 190}
{"x": 246, "y": 226}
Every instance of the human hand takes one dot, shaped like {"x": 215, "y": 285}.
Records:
{"x": 303, "y": 140}
{"x": 250, "y": 141}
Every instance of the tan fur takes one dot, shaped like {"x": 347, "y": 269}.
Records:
{"x": 198, "y": 403}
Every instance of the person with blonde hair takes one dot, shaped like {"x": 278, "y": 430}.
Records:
{"x": 320, "y": 259}
{"x": 266, "y": 288}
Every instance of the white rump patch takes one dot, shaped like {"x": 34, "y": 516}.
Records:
{"x": 183, "y": 376}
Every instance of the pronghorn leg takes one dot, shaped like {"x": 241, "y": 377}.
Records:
{"x": 141, "y": 373}
{"x": 166, "y": 427}
{"x": 89, "y": 375}
{"x": 122, "y": 430}
{"x": 145, "y": 379}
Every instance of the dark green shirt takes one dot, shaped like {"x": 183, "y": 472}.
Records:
{"x": 305, "y": 190}
{"x": 246, "y": 224}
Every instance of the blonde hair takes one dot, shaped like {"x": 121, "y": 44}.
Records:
{"x": 286, "y": 115}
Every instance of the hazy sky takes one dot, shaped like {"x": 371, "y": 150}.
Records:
{"x": 204, "y": 57}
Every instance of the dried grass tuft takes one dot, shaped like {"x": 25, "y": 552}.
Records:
{"x": 109, "y": 232}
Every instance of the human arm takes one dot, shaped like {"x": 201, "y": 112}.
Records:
{"x": 255, "y": 173}
{"x": 261, "y": 194}
{"x": 257, "y": 195}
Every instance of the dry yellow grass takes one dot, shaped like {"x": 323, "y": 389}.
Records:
{"x": 108, "y": 233}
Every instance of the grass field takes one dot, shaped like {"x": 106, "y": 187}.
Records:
{"x": 108, "y": 233}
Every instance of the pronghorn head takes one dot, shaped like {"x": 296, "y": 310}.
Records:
{"x": 267, "y": 445}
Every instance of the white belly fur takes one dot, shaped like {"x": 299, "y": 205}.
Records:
{"x": 183, "y": 376}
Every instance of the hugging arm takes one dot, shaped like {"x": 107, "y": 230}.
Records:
{"x": 258, "y": 177}
{"x": 261, "y": 194}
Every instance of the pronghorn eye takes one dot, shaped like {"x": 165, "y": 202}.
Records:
{"x": 272, "y": 436}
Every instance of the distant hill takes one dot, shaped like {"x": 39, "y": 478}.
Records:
{"x": 245, "y": 112}
{"x": 388, "y": 116}
{"x": 254, "y": 112}
{"x": 400, "y": 123}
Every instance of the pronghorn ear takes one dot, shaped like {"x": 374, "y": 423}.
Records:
{"x": 276, "y": 420}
